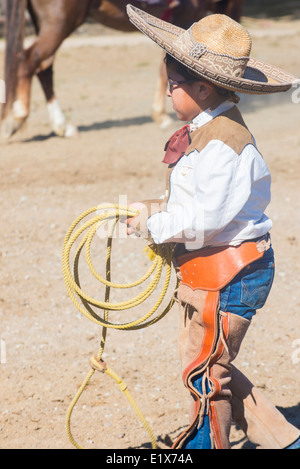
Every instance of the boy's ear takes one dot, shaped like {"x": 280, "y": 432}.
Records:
{"x": 205, "y": 89}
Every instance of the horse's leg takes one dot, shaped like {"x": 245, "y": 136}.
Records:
{"x": 20, "y": 107}
{"x": 55, "y": 20}
{"x": 158, "y": 113}
{"x": 32, "y": 61}
{"x": 57, "y": 118}
{"x": 236, "y": 9}
{"x": 232, "y": 8}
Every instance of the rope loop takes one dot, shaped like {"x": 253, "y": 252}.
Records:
{"x": 81, "y": 233}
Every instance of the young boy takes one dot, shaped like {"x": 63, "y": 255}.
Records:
{"x": 214, "y": 212}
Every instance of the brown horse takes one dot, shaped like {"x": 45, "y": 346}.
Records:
{"x": 55, "y": 20}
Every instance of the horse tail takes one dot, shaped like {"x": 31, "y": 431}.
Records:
{"x": 14, "y": 35}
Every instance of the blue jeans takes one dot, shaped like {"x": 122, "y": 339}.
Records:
{"x": 249, "y": 290}
{"x": 246, "y": 293}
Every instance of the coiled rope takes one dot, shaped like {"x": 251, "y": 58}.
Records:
{"x": 82, "y": 233}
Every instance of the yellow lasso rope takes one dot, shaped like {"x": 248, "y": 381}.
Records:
{"x": 161, "y": 256}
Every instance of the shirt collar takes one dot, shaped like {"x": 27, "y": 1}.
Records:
{"x": 208, "y": 115}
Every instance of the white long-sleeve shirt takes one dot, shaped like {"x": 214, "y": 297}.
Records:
{"x": 217, "y": 197}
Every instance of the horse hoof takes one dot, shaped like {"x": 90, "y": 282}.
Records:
{"x": 65, "y": 131}
{"x": 59, "y": 128}
{"x": 163, "y": 120}
{"x": 10, "y": 126}
{"x": 71, "y": 131}
{"x": 166, "y": 122}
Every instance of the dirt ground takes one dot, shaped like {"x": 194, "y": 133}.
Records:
{"x": 47, "y": 182}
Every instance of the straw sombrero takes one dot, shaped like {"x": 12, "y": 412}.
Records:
{"x": 216, "y": 48}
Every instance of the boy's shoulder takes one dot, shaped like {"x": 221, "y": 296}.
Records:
{"x": 229, "y": 128}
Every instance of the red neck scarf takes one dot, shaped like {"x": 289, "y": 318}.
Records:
{"x": 176, "y": 146}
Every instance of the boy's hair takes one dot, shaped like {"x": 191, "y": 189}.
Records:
{"x": 188, "y": 75}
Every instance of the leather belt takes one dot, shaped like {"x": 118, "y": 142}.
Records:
{"x": 211, "y": 269}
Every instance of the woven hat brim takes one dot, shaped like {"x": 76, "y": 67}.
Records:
{"x": 259, "y": 77}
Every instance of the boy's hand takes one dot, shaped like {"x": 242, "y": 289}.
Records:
{"x": 132, "y": 221}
